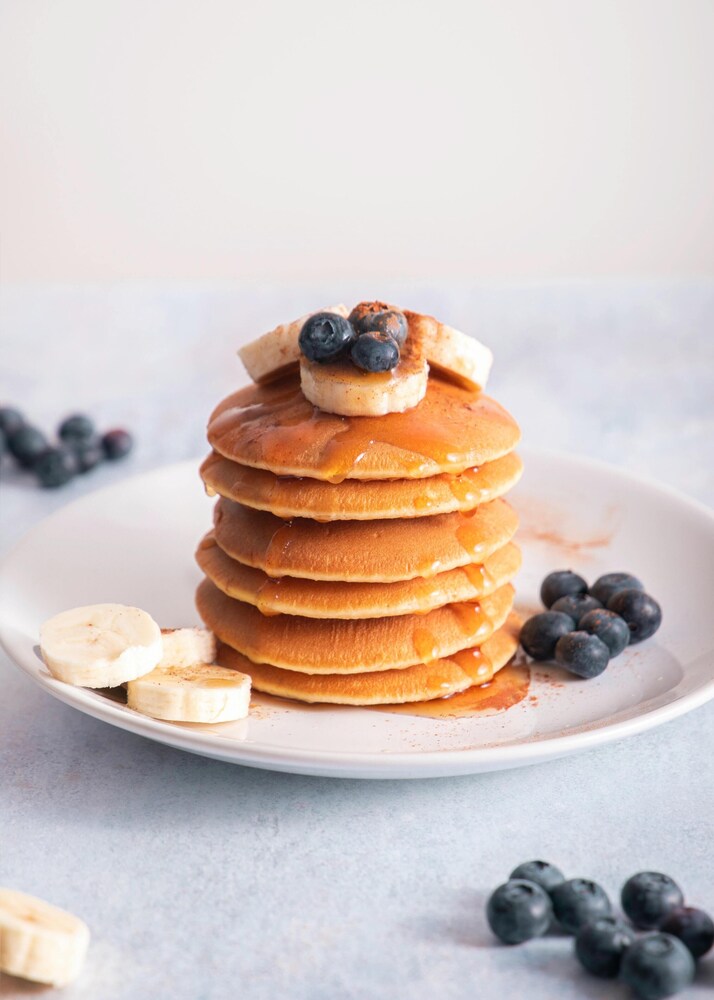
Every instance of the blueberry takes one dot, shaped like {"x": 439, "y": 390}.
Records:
{"x": 608, "y": 627}
{"x": 578, "y": 902}
{"x": 601, "y": 944}
{"x": 117, "y": 444}
{"x": 375, "y": 317}
{"x": 657, "y": 966}
{"x": 11, "y": 420}
{"x": 541, "y": 632}
{"x": 576, "y": 605}
{"x": 608, "y": 585}
{"x": 559, "y": 584}
{"x": 543, "y": 874}
{"x": 582, "y": 654}
{"x": 648, "y": 897}
{"x": 26, "y": 444}
{"x": 641, "y": 613}
{"x": 3, "y": 442}
{"x": 374, "y": 353}
{"x": 55, "y": 467}
{"x": 324, "y": 336}
{"x": 88, "y": 453}
{"x": 76, "y": 428}
{"x": 693, "y": 927}
{"x": 518, "y": 911}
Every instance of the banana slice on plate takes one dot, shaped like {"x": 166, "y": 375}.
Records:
{"x": 39, "y": 941}
{"x": 100, "y": 645}
{"x": 198, "y": 693}
{"x": 184, "y": 647}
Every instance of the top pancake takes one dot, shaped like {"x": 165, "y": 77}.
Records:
{"x": 274, "y": 427}
{"x": 360, "y": 500}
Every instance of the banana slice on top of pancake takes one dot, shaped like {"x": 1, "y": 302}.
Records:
{"x": 337, "y": 385}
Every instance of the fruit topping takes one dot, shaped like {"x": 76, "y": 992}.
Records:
{"x": 325, "y": 336}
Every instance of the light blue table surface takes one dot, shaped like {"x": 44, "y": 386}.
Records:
{"x": 203, "y": 880}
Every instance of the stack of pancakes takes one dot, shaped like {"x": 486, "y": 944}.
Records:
{"x": 361, "y": 560}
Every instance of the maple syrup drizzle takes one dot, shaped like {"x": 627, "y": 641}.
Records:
{"x": 508, "y": 687}
{"x": 425, "y": 644}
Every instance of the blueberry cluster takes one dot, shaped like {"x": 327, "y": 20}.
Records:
{"x": 79, "y": 449}
{"x": 585, "y": 627}
{"x": 372, "y": 335}
{"x": 537, "y": 896}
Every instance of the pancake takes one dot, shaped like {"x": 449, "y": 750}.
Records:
{"x": 332, "y": 646}
{"x": 333, "y": 599}
{"x": 355, "y": 499}
{"x": 422, "y": 682}
{"x": 362, "y": 551}
{"x": 274, "y": 427}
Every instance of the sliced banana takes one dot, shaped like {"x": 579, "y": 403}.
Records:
{"x": 198, "y": 693}
{"x": 101, "y": 645}
{"x": 342, "y": 388}
{"x": 39, "y": 941}
{"x": 184, "y": 647}
{"x": 271, "y": 355}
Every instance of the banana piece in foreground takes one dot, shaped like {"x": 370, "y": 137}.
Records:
{"x": 100, "y": 645}
{"x": 38, "y": 941}
{"x": 201, "y": 692}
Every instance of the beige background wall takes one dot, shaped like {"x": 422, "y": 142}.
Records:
{"x": 233, "y": 139}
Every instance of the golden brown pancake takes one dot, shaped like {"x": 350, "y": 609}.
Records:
{"x": 332, "y": 599}
{"x": 274, "y": 427}
{"x": 421, "y": 682}
{"x": 362, "y": 551}
{"x": 334, "y": 646}
{"x": 354, "y": 499}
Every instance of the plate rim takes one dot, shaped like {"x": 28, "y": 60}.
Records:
{"x": 375, "y": 764}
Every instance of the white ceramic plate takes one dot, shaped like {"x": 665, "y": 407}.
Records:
{"x": 133, "y": 543}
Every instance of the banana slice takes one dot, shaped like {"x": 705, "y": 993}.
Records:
{"x": 271, "y": 355}
{"x": 184, "y": 647}
{"x": 198, "y": 693}
{"x": 342, "y": 388}
{"x": 101, "y": 645}
{"x": 39, "y": 941}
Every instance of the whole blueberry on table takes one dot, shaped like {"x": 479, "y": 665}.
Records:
{"x": 648, "y": 897}
{"x": 88, "y": 453}
{"x": 641, "y": 612}
{"x": 11, "y": 420}
{"x": 657, "y": 966}
{"x": 576, "y": 605}
{"x": 373, "y": 352}
{"x": 518, "y": 911}
{"x": 578, "y": 902}
{"x": 117, "y": 443}
{"x": 601, "y": 944}
{"x": 545, "y": 875}
{"x": 559, "y": 584}
{"x": 55, "y": 467}
{"x": 76, "y": 428}
{"x": 608, "y": 585}
{"x": 3, "y": 442}
{"x": 26, "y": 444}
{"x": 582, "y": 653}
{"x": 541, "y": 632}
{"x": 325, "y": 336}
{"x": 608, "y": 627}
{"x": 693, "y": 927}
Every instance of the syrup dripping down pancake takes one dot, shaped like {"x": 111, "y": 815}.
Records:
{"x": 333, "y": 599}
{"x": 274, "y": 427}
{"x": 362, "y": 551}
{"x": 334, "y": 646}
{"x": 358, "y": 499}
{"x": 420, "y": 683}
